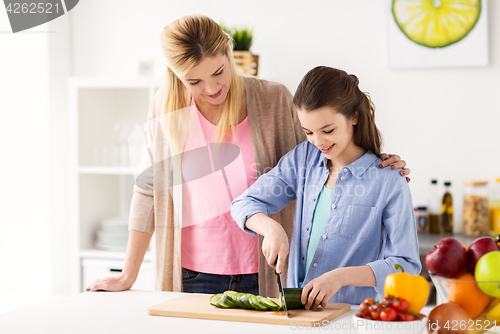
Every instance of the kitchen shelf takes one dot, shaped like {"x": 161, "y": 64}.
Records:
{"x": 109, "y": 82}
{"x": 104, "y": 112}
{"x": 102, "y": 254}
{"x": 426, "y": 241}
{"x": 108, "y": 170}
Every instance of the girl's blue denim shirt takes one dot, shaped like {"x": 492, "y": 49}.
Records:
{"x": 371, "y": 218}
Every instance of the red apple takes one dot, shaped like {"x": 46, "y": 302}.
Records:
{"x": 447, "y": 259}
{"x": 478, "y": 248}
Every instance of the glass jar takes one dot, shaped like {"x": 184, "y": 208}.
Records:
{"x": 476, "y": 211}
{"x": 421, "y": 218}
{"x": 495, "y": 207}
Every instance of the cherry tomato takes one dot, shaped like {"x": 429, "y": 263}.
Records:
{"x": 388, "y": 314}
{"x": 365, "y": 312}
{"x": 409, "y": 316}
{"x": 405, "y": 316}
{"x": 375, "y": 310}
{"x": 401, "y": 305}
{"x": 369, "y": 301}
{"x": 387, "y": 300}
{"x": 363, "y": 305}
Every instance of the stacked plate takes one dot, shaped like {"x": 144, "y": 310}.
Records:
{"x": 113, "y": 234}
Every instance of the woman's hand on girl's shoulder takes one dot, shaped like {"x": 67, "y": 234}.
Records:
{"x": 395, "y": 162}
{"x": 319, "y": 291}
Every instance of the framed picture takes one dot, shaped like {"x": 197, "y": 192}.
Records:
{"x": 437, "y": 33}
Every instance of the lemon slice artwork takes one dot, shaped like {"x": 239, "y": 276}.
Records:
{"x": 436, "y": 23}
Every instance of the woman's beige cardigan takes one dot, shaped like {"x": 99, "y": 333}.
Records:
{"x": 274, "y": 130}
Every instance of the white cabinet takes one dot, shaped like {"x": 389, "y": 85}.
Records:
{"x": 103, "y": 113}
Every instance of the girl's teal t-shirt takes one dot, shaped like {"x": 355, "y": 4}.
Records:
{"x": 320, "y": 218}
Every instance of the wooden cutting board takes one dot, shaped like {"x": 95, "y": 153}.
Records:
{"x": 197, "y": 305}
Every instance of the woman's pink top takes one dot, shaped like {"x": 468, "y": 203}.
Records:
{"x": 213, "y": 176}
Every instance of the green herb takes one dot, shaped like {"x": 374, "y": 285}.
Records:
{"x": 242, "y": 37}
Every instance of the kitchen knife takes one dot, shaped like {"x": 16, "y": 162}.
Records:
{"x": 282, "y": 292}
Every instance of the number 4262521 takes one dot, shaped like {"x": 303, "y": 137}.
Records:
{"x": 454, "y": 325}
{"x": 32, "y": 8}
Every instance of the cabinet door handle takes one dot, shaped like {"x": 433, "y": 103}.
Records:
{"x": 115, "y": 270}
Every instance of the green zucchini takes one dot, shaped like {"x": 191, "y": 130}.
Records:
{"x": 292, "y": 297}
{"x": 233, "y": 299}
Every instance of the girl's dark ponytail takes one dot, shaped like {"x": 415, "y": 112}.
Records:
{"x": 366, "y": 133}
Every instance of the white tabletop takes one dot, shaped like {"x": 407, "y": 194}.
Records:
{"x": 126, "y": 313}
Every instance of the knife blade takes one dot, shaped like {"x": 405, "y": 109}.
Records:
{"x": 282, "y": 292}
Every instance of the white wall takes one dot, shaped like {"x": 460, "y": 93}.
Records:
{"x": 24, "y": 166}
{"x": 443, "y": 122}
{"x": 59, "y": 63}
{"x": 34, "y": 243}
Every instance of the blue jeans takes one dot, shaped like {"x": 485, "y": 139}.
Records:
{"x": 194, "y": 281}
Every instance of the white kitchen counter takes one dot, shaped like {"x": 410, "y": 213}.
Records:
{"x": 126, "y": 313}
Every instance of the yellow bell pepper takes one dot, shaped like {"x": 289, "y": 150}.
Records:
{"x": 415, "y": 289}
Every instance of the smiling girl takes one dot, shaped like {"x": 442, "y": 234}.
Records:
{"x": 353, "y": 221}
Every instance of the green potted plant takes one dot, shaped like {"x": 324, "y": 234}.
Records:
{"x": 247, "y": 62}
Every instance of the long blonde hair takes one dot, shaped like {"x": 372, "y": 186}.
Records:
{"x": 185, "y": 43}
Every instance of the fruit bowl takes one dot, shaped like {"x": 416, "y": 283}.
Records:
{"x": 464, "y": 290}
{"x": 368, "y": 326}
{"x": 481, "y": 308}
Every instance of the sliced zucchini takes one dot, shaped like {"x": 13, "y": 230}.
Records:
{"x": 224, "y": 299}
{"x": 245, "y": 299}
{"x": 214, "y": 300}
{"x": 230, "y": 295}
{"x": 254, "y": 301}
{"x": 225, "y": 303}
{"x": 233, "y": 299}
{"x": 237, "y": 301}
{"x": 276, "y": 305}
{"x": 268, "y": 304}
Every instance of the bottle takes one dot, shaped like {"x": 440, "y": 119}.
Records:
{"x": 434, "y": 212}
{"x": 476, "y": 210}
{"x": 447, "y": 210}
{"x": 495, "y": 207}
{"x": 421, "y": 218}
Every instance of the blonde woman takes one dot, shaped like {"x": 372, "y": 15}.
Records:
{"x": 211, "y": 133}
